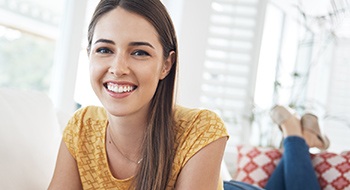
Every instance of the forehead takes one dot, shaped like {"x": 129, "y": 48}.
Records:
{"x": 125, "y": 25}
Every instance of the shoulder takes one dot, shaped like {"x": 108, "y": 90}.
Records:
{"x": 194, "y": 123}
{"x": 188, "y": 114}
{"x": 199, "y": 116}
{"x": 86, "y": 117}
{"x": 195, "y": 129}
{"x": 90, "y": 112}
{"x": 86, "y": 122}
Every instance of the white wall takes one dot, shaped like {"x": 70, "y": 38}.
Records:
{"x": 67, "y": 56}
{"x": 192, "y": 30}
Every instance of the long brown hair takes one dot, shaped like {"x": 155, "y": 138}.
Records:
{"x": 158, "y": 150}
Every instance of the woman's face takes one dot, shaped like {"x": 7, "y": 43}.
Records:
{"x": 126, "y": 62}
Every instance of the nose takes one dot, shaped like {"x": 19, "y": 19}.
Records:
{"x": 119, "y": 66}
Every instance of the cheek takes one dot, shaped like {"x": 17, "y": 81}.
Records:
{"x": 156, "y": 72}
{"x": 96, "y": 71}
{"x": 92, "y": 70}
{"x": 149, "y": 76}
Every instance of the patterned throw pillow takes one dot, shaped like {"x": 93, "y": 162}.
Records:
{"x": 256, "y": 164}
{"x": 332, "y": 170}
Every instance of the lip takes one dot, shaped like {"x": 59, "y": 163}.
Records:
{"x": 119, "y": 83}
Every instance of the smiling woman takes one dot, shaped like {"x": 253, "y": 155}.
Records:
{"x": 133, "y": 58}
{"x": 139, "y": 139}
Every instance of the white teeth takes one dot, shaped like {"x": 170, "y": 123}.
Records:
{"x": 119, "y": 88}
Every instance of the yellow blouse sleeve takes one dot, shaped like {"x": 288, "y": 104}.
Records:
{"x": 203, "y": 128}
{"x": 70, "y": 133}
{"x": 79, "y": 123}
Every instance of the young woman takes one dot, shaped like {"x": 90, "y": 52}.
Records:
{"x": 139, "y": 139}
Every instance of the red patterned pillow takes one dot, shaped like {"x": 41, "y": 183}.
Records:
{"x": 256, "y": 164}
{"x": 332, "y": 170}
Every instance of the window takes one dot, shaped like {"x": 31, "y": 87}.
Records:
{"x": 84, "y": 95}
{"x": 336, "y": 121}
{"x": 219, "y": 53}
{"x": 25, "y": 59}
{"x": 309, "y": 63}
{"x": 230, "y": 67}
{"x": 28, "y": 31}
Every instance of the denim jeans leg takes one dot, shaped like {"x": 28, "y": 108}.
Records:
{"x": 295, "y": 171}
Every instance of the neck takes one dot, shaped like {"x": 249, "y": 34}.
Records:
{"x": 128, "y": 156}
{"x": 124, "y": 128}
{"x": 128, "y": 135}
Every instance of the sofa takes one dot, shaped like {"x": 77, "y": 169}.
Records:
{"x": 30, "y": 135}
{"x": 31, "y": 130}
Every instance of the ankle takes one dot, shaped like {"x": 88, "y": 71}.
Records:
{"x": 291, "y": 127}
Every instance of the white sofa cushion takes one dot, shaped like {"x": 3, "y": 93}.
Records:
{"x": 29, "y": 139}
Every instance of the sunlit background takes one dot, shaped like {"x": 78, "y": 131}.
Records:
{"x": 237, "y": 57}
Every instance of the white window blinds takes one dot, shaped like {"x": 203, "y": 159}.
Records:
{"x": 232, "y": 53}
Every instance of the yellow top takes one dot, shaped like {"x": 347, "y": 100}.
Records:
{"x": 85, "y": 136}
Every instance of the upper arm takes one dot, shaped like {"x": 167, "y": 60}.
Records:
{"x": 66, "y": 174}
{"x": 202, "y": 171}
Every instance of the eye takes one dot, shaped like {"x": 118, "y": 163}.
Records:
{"x": 140, "y": 53}
{"x": 103, "y": 50}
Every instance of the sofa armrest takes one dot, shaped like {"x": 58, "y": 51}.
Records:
{"x": 29, "y": 139}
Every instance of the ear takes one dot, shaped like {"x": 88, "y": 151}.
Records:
{"x": 167, "y": 65}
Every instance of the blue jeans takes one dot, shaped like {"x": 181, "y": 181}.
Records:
{"x": 294, "y": 171}
{"x": 238, "y": 185}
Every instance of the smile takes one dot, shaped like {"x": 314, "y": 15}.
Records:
{"x": 119, "y": 88}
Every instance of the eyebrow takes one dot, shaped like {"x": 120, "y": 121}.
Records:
{"x": 104, "y": 41}
{"x": 141, "y": 44}
{"x": 130, "y": 44}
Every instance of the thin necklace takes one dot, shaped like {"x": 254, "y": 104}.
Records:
{"x": 110, "y": 132}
